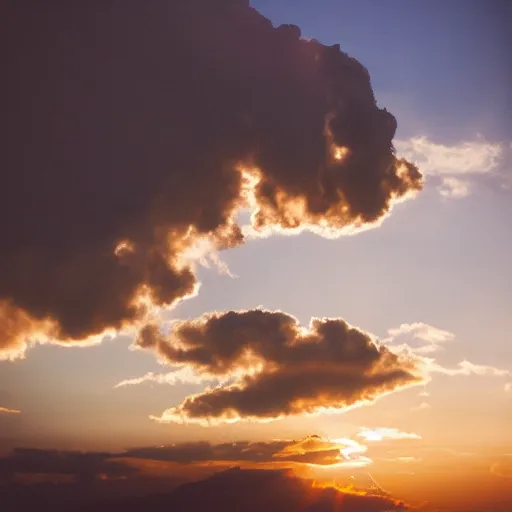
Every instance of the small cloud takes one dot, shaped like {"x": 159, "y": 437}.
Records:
{"x": 454, "y": 188}
{"x": 467, "y": 368}
{"x": 7, "y": 410}
{"x": 182, "y": 376}
{"x": 508, "y": 387}
{"x": 424, "y": 406}
{"x": 378, "y": 434}
{"x": 469, "y": 157}
{"x": 456, "y": 165}
{"x": 420, "y": 337}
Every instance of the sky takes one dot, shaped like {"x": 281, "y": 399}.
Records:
{"x": 409, "y": 363}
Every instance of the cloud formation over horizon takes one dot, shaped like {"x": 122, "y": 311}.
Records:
{"x": 313, "y": 451}
{"x": 152, "y": 126}
{"x": 270, "y": 366}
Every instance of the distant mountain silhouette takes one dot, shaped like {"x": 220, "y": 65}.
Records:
{"x": 233, "y": 490}
{"x": 243, "y": 490}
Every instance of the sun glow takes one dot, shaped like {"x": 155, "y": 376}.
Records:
{"x": 340, "y": 153}
{"x": 346, "y": 489}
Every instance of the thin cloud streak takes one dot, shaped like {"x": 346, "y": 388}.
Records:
{"x": 181, "y": 376}
{"x": 379, "y": 434}
{"x": 7, "y": 410}
{"x": 467, "y": 368}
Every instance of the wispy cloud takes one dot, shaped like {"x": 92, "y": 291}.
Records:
{"x": 405, "y": 459}
{"x": 182, "y": 376}
{"x": 467, "y": 368}
{"x": 424, "y": 393}
{"x": 455, "y": 165}
{"x": 7, "y": 410}
{"x": 424, "y": 406}
{"x": 455, "y": 187}
{"x": 379, "y": 434}
{"x": 418, "y": 340}
{"x": 420, "y": 337}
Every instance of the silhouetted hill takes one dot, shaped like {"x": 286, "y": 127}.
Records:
{"x": 234, "y": 490}
{"x": 238, "y": 490}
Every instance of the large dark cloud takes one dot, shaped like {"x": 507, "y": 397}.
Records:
{"x": 278, "y": 367}
{"x": 128, "y": 125}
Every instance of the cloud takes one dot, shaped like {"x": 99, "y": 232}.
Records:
{"x": 454, "y": 188}
{"x": 311, "y": 451}
{"x": 315, "y": 450}
{"x": 424, "y": 406}
{"x": 454, "y": 165}
{"x": 468, "y": 157}
{"x": 405, "y": 459}
{"x": 16, "y": 329}
{"x": 467, "y": 368}
{"x": 278, "y": 368}
{"x": 181, "y": 376}
{"x": 6, "y": 410}
{"x": 150, "y": 128}
{"x": 262, "y": 365}
{"x": 418, "y": 340}
{"x": 420, "y": 337}
{"x": 378, "y": 434}
{"x": 508, "y": 387}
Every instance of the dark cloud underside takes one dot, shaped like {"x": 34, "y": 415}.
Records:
{"x": 278, "y": 367}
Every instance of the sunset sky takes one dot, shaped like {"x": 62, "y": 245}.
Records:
{"x": 405, "y": 376}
